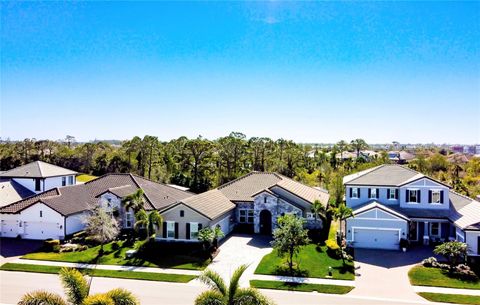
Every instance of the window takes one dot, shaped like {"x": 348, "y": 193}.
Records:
{"x": 264, "y": 199}
{"x": 41, "y": 214}
{"x": 70, "y": 180}
{"x": 373, "y": 193}
{"x": 182, "y": 213}
{"x": 355, "y": 192}
{"x": 413, "y": 196}
{"x": 129, "y": 218}
{"x": 246, "y": 216}
{"x": 436, "y": 197}
{"x": 194, "y": 230}
{"x": 64, "y": 181}
{"x": 170, "y": 229}
{"x": 392, "y": 194}
{"x": 435, "y": 229}
{"x": 310, "y": 215}
{"x": 37, "y": 184}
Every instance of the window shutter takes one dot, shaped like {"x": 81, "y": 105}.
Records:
{"x": 176, "y": 230}
{"x": 388, "y": 193}
{"x": 350, "y": 192}
{"x": 199, "y": 226}
{"x": 369, "y": 193}
{"x": 407, "y": 194}
{"x": 396, "y": 194}
{"x": 358, "y": 189}
{"x": 441, "y": 198}
{"x": 418, "y": 196}
{"x": 187, "y": 232}
{"x": 429, "y": 196}
{"x": 164, "y": 230}
{"x": 378, "y": 194}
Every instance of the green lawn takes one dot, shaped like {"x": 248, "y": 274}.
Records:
{"x": 424, "y": 276}
{"x": 150, "y": 276}
{"x": 117, "y": 257}
{"x": 450, "y": 298}
{"x": 85, "y": 177}
{"x": 332, "y": 289}
{"x": 313, "y": 262}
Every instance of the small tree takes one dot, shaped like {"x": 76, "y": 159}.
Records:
{"x": 290, "y": 237}
{"x": 134, "y": 201}
{"x": 149, "y": 221}
{"x": 341, "y": 212}
{"x": 101, "y": 226}
{"x": 453, "y": 251}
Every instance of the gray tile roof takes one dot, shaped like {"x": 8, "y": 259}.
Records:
{"x": 212, "y": 204}
{"x": 77, "y": 198}
{"x": 11, "y": 191}
{"x": 465, "y": 211}
{"x": 37, "y": 169}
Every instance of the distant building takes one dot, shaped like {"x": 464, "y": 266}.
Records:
{"x": 400, "y": 157}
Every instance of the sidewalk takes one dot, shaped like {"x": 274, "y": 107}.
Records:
{"x": 303, "y": 280}
{"x": 107, "y": 267}
{"x": 446, "y": 290}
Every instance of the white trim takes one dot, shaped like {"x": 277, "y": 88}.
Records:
{"x": 439, "y": 229}
{"x": 170, "y": 222}
{"x": 376, "y": 205}
{"x": 461, "y": 236}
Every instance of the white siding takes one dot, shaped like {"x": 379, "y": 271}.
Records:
{"x": 74, "y": 223}
{"x": 424, "y": 185}
{"x": 472, "y": 242}
{"x": 45, "y": 184}
{"x": 224, "y": 222}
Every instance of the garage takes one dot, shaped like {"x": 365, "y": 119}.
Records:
{"x": 376, "y": 238}
{"x": 9, "y": 228}
{"x": 41, "y": 230}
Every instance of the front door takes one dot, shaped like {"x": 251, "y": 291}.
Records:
{"x": 265, "y": 222}
{"x": 412, "y": 231}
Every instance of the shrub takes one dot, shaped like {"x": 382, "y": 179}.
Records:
{"x": 49, "y": 244}
{"x": 465, "y": 273}
{"x": 56, "y": 248}
{"x": 115, "y": 246}
{"x": 430, "y": 262}
{"x": 333, "y": 249}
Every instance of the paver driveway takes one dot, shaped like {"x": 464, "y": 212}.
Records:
{"x": 241, "y": 249}
{"x": 384, "y": 274}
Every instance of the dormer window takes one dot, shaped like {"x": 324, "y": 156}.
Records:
{"x": 435, "y": 196}
{"x": 354, "y": 192}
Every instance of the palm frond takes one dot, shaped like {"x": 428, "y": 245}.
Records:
{"x": 210, "y": 297}
{"x": 98, "y": 299}
{"x": 213, "y": 280}
{"x": 235, "y": 281}
{"x": 155, "y": 221}
{"x": 75, "y": 285}
{"x": 122, "y": 297}
{"x": 42, "y": 298}
{"x": 250, "y": 296}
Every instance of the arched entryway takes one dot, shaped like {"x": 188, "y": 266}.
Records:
{"x": 265, "y": 222}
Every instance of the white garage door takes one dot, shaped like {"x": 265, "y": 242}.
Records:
{"x": 376, "y": 238}
{"x": 41, "y": 230}
{"x": 9, "y": 228}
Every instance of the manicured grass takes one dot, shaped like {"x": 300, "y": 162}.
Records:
{"x": 149, "y": 276}
{"x": 332, "y": 289}
{"x": 425, "y": 276}
{"x": 450, "y": 298}
{"x": 112, "y": 256}
{"x": 85, "y": 177}
{"x": 313, "y": 261}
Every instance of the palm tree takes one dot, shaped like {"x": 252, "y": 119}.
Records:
{"x": 342, "y": 146}
{"x": 339, "y": 213}
{"x": 318, "y": 210}
{"x": 135, "y": 201}
{"x": 221, "y": 294}
{"x": 358, "y": 145}
{"x": 76, "y": 290}
{"x": 150, "y": 221}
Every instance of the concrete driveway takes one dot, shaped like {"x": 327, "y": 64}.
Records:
{"x": 12, "y": 248}
{"x": 241, "y": 249}
{"x": 384, "y": 274}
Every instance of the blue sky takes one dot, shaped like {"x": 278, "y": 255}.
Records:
{"x": 311, "y": 72}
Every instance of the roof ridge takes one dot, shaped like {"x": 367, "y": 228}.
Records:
{"x": 367, "y": 171}
{"x": 144, "y": 193}
{"x": 105, "y": 175}
{"x": 39, "y": 167}
{"x": 157, "y": 182}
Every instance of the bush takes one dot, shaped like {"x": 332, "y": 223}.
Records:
{"x": 430, "y": 262}
{"x": 56, "y": 248}
{"x": 333, "y": 249}
{"x": 49, "y": 244}
{"x": 464, "y": 272}
{"x": 90, "y": 241}
{"x": 115, "y": 246}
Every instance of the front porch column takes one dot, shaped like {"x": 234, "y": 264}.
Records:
{"x": 426, "y": 237}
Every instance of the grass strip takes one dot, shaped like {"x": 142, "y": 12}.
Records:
{"x": 321, "y": 288}
{"x": 436, "y": 277}
{"x": 149, "y": 276}
{"x": 450, "y": 298}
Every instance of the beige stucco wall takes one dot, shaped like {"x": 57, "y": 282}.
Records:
{"x": 190, "y": 215}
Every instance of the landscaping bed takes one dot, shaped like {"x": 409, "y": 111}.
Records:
{"x": 149, "y": 276}
{"x": 320, "y": 288}
{"x": 313, "y": 261}
{"x": 114, "y": 253}
{"x": 429, "y": 276}
{"x": 450, "y": 298}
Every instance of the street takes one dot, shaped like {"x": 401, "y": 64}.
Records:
{"x": 14, "y": 284}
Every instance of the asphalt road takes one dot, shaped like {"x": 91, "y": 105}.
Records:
{"x": 14, "y": 284}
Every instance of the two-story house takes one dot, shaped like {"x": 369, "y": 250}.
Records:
{"x": 391, "y": 202}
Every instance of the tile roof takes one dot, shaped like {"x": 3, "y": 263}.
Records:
{"x": 37, "y": 169}
{"x": 212, "y": 203}
{"x": 77, "y": 198}
{"x": 242, "y": 189}
{"x": 11, "y": 191}
{"x": 465, "y": 211}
